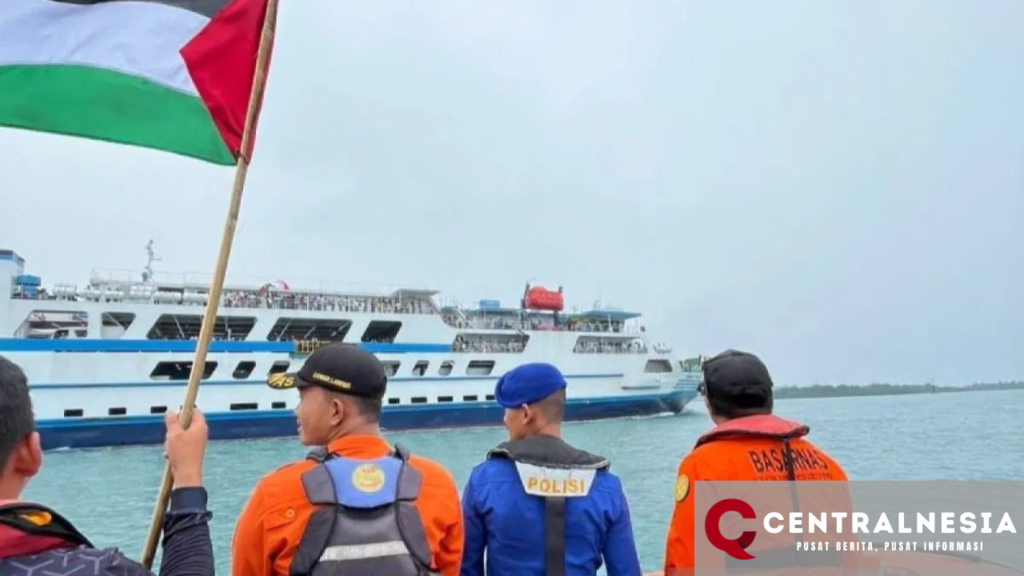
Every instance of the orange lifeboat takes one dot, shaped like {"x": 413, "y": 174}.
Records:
{"x": 540, "y": 298}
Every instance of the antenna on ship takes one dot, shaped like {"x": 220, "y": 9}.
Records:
{"x": 147, "y": 272}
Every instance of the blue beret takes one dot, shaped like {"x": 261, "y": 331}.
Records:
{"x": 527, "y": 384}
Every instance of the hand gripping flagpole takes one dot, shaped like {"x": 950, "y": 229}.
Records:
{"x": 210, "y": 317}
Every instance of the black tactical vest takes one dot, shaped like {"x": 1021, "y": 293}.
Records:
{"x": 553, "y": 470}
{"x": 366, "y": 523}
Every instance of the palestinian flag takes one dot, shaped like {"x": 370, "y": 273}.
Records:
{"x": 172, "y": 75}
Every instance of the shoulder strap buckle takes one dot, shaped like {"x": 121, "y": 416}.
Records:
{"x": 400, "y": 452}
{"x": 319, "y": 454}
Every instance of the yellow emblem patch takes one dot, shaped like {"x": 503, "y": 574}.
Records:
{"x": 38, "y": 518}
{"x": 281, "y": 380}
{"x": 682, "y": 487}
{"x": 368, "y": 478}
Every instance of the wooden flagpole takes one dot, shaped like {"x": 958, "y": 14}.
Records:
{"x": 210, "y": 317}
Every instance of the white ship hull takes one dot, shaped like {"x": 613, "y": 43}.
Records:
{"x": 97, "y": 379}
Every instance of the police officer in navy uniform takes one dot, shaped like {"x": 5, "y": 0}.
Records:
{"x": 538, "y": 506}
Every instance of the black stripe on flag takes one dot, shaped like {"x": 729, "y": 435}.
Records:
{"x": 208, "y": 8}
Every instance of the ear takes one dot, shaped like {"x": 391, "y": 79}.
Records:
{"x": 338, "y": 410}
{"x": 28, "y": 456}
{"x": 529, "y": 415}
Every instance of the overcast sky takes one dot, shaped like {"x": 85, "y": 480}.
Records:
{"x": 836, "y": 186}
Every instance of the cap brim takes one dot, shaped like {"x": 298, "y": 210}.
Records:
{"x": 286, "y": 381}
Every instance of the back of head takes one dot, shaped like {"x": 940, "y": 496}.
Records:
{"x": 737, "y": 384}
{"x": 538, "y": 390}
{"x": 16, "y": 419}
{"x": 341, "y": 387}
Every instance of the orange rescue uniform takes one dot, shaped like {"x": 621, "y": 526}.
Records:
{"x": 743, "y": 449}
{"x": 271, "y": 525}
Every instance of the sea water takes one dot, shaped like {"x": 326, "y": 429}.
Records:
{"x": 109, "y": 493}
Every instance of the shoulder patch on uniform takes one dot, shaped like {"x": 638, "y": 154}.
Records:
{"x": 682, "y": 487}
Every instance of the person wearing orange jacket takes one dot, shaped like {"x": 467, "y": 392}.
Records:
{"x": 356, "y": 505}
{"x": 747, "y": 443}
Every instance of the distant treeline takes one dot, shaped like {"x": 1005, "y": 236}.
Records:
{"x": 831, "y": 390}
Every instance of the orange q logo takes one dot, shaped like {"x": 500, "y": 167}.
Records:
{"x": 735, "y": 548}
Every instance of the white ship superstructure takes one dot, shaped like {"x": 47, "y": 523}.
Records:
{"x": 106, "y": 359}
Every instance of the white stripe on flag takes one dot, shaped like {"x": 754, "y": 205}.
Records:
{"x": 136, "y": 38}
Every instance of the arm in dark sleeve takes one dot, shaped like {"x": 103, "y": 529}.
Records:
{"x": 620, "y": 554}
{"x": 187, "y": 548}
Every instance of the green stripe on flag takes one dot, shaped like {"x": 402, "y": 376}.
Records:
{"x": 105, "y": 105}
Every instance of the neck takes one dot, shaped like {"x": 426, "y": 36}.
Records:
{"x": 360, "y": 429}
{"x": 551, "y": 430}
{"x": 10, "y": 490}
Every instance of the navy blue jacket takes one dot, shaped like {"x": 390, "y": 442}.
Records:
{"x": 509, "y": 523}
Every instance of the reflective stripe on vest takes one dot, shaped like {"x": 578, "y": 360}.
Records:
{"x": 555, "y": 485}
{"x": 365, "y": 522}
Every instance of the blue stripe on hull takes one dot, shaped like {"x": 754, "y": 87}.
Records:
{"x": 133, "y": 430}
{"x": 96, "y": 345}
{"x": 208, "y": 383}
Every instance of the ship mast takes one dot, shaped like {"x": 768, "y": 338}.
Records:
{"x": 147, "y": 272}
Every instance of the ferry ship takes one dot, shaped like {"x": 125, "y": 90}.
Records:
{"x": 105, "y": 360}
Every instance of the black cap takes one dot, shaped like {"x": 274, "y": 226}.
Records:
{"x": 338, "y": 367}
{"x": 737, "y": 377}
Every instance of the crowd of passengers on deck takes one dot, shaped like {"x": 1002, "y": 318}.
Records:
{"x": 326, "y": 303}
{"x": 535, "y": 324}
{"x": 288, "y": 301}
{"x": 468, "y": 345}
{"x": 630, "y": 347}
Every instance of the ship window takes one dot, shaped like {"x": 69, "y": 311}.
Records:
{"x": 244, "y": 369}
{"x": 420, "y": 369}
{"x": 490, "y": 397}
{"x": 658, "y": 366}
{"x": 278, "y": 405}
{"x": 279, "y": 366}
{"x": 73, "y": 413}
{"x": 381, "y": 332}
{"x": 80, "y": 333}
{"x": 444, "y": 398}
{"x": 309, "y": 329}
{"x": 394, "y": 401}
{"x": 244, "y": 406}
{"x": 179, "y": 370}
{"x": 157, "y": 409}
{"x": 115, "y": 324}
{"x": 117, "y": 412}
{"x": 470, "y": 398}
{"x": 446, "y": 368}
{"x": 52, "y": 324}
{"x": 391, "y": 367}
{"x": 419, "y": 400}
{"x": 187, "y": 327}
{"x": 480, "y": 367}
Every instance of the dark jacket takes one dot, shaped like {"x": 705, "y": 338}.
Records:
{"x": 187, "y": 549}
